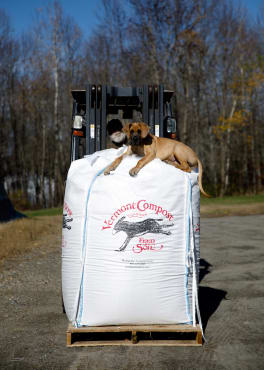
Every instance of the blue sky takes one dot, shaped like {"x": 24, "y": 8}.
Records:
{"x": 21, "y": 12}
{"x": 253, "y": 6}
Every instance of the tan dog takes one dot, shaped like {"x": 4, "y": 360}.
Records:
{"x": 148, "y": 146}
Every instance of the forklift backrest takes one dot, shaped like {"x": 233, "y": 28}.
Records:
{"x": 95, "y": 106}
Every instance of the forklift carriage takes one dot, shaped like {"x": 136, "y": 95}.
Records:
{"x": 94, "y": 107}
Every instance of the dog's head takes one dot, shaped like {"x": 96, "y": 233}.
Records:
{"x": 119, "y": 226}
{"x": 136, "y": 132}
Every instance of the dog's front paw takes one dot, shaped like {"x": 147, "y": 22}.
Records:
{"x": 133, "y": 172}
{"x": 107, "y": 172}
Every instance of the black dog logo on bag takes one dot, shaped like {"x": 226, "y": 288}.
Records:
{"x": 65, "y": 221}
{"x": 135, "y": 229}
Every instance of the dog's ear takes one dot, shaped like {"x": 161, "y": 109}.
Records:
{"x": 144, "y": 130}
{"x": 126, "y": 129}
{"x": 120, "y": 221}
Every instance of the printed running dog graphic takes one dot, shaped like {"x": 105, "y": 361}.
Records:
{"x": 65, "y": 220}
{"x": 135, "y": 229}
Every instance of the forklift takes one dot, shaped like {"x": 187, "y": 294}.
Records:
{"x": 93, "y": 108}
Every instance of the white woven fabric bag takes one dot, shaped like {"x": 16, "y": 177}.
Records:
{"x": 130, "y": 244}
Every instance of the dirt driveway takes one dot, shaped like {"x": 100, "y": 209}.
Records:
{"x": 32, "y": 328}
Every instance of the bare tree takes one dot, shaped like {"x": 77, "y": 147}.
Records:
{"x": 207, "y": 51}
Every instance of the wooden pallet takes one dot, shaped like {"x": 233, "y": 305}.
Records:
{"x": 138, "y": 335}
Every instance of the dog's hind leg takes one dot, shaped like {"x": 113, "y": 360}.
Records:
{"x": 160, "y": 230}
{"x": 184, "y": 166}
{"x": 167, "y": 225}
{"x": 165, "y": 232}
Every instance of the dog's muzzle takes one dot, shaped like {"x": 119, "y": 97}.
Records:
{"x": 135, "y": 140}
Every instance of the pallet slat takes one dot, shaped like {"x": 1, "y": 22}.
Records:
{"x": 135, "y": 335}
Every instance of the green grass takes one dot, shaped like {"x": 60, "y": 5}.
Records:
{"x": 44, "y": 212}
{"x": 235, "y": 199}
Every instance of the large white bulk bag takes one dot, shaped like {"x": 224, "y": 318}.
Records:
{"x": 130, "y": 244}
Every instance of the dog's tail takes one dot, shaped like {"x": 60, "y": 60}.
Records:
{"x": 200, "y": 169}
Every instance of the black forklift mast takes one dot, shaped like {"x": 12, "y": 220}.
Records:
{"x": 92, "y": 106}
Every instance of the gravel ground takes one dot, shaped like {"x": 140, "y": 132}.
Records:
{"x": 33, "y": 327}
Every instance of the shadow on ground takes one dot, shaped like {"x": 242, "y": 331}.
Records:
{"x": 209, "y": 298}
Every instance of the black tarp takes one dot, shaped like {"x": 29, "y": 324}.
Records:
{"x": 7, "y": 211}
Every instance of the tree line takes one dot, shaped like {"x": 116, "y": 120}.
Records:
{"x": 209, "y": 52}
